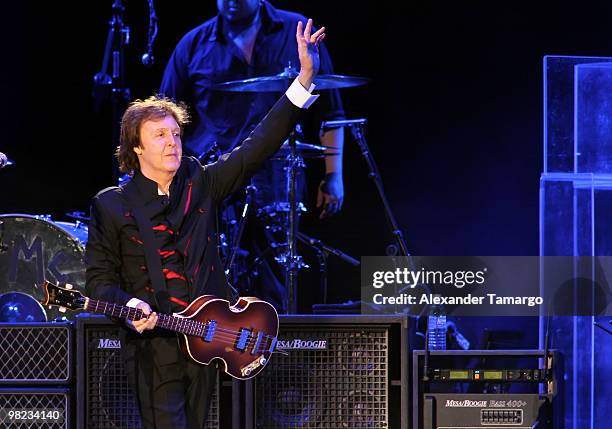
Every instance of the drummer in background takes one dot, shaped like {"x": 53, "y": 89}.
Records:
{"x": 250, "y": 38}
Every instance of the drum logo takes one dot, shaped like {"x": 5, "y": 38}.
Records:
{"x": 35, "y": 250}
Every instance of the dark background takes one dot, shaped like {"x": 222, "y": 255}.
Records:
{"x": 454, "y": 110}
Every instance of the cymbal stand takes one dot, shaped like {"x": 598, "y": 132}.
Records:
{"x": 359, "y": 135}
{"x": 293, "y": 261}
{"x": 250, "y": 191}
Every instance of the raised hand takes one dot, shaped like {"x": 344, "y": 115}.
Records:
{"x": 308, "y": 51}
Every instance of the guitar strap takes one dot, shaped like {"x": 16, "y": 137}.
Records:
{"x": 153, "y": 261}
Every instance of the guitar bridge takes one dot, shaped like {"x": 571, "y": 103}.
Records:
{"x": 247, "y": 370}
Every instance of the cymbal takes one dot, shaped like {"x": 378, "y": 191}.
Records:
{"x": 305, "y": 150}
{"x": 281, "y": 81}
{"x": 79, "y": 216}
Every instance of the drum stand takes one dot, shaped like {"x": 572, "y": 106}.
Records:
{"x": 250, "y": 192}
{"x": 112, "y": 86}
{"x": 292, "y": 261}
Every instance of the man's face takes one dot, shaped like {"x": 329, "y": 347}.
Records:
{"x": 237, "y": 10}
{"x": 160, "y": 147}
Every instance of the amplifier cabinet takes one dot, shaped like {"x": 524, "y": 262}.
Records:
{"x": 501, "y": 411}
{"x": 36, "y": 353}
{"x": 35, "y": 408}
{"x": 105, "y": 399}
{"x": 335, "y": 371}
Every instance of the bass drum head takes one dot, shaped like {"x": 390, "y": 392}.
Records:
{"x": 34, "y": 249}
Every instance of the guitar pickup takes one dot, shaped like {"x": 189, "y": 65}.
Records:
{"x": 255, "y": 349}
{"x": 210, "y": 331}
{"x": 243, "y": 339}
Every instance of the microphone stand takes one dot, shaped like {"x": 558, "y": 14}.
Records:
{"x": 315, "y": 243}
{"x": 322, "y": 250}
{"x": 113, "y": 86}
{"x": 322, "y": 259}
{"x": 357, "y": 129}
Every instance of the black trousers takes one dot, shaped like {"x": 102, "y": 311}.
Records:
{"x": 172, "y": 391}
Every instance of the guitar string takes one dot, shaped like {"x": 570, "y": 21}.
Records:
{"x": 170, "y": 318}
{"x": 229, "y": 331}
{"x": 203, "y": 326}
{"x": 186, "y": 326}
{"x": 224, "y": 338}
{"x": 201, "y": 330}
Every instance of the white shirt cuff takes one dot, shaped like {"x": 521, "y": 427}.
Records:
{"x": 133, "y": 302}
{"x": 299, "y": 96}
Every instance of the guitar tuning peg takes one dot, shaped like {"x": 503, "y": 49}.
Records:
{"x": 62, "y": 309}
{"x": 68, "y": 286}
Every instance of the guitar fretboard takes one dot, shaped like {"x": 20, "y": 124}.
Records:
{"x": 166, "y": 321}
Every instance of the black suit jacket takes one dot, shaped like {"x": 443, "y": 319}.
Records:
{"x": 115, "y": 254}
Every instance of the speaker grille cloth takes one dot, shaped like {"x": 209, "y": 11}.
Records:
{"x": 34, "y": 401}
{"x": 110, "y": 402}
{"x": 344, "y": 386}
{"x": 36, "y": 353}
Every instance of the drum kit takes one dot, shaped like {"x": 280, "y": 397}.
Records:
{"x": 281, "y": 215}
{"x": 36, "y": 247}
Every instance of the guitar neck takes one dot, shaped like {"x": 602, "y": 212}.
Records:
{"x": 165, "y": 321}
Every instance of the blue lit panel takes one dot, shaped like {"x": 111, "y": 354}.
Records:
{"x": 593, "y": 118}
{"x": 559, "y": 106}
{"x": 575, "y": 220}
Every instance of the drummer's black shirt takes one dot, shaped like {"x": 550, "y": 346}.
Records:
{"x": 205, "y": 57}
